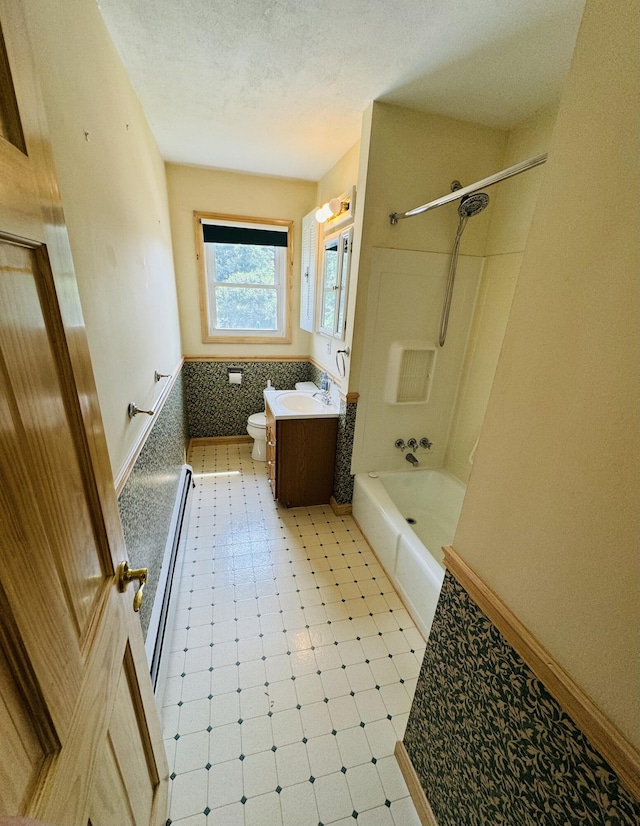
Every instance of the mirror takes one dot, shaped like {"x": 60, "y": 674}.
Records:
{"x": 335, "y": 281}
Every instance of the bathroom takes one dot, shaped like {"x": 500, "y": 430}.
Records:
{"x": 403, "y": 159}
{"x": 414, "y": 257}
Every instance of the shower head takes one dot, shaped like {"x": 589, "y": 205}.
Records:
{"x": 472, "y": 204}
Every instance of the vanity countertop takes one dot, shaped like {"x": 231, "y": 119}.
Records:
{"x": 298, "y": 404}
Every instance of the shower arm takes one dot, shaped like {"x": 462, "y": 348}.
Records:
{"x": 516, "y": 169}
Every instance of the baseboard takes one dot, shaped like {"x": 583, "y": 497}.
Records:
{"x": 203, "y": 441}
{"x": 234, "y": 359}
{"x": 340, "y": 510}
{"x": 419, "y": 798}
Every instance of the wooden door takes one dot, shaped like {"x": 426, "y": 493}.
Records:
{"x": 80, "y": 740}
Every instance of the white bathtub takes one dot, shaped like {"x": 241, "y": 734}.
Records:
{"x": 411, "y": 554}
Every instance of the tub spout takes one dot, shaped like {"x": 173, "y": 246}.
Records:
{"x": 411, "y": 458}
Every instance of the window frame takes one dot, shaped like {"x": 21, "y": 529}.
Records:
{"x": 209, "y": 336}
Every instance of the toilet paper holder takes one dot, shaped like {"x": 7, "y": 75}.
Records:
{"x": 235, "y": 374}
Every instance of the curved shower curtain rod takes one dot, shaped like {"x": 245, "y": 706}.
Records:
{"x": 516, "y": 169}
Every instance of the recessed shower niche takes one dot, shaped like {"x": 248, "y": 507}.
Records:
{"x": 410, "y": 368}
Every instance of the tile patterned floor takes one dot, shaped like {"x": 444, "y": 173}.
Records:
{"x": 293, "y": 663}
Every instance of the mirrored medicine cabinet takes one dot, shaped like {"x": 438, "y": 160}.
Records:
{"x": 336, "y": 261}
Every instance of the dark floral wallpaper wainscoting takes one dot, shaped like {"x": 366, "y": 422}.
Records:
{"x": 490, "y": 745}
{"x": 147, "y": 499}
{"x": 217, "y": 408}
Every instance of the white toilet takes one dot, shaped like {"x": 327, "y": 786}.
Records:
{"x": 257, "y": 429}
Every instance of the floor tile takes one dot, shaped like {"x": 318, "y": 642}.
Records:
{"x": 286, "y": 727}
{"x": 309, "y": 689}
{"x": 281, "y": 695}
{"x": 332, "y": 796}
{"x": 225, "y": 743}
{"x": 256, "y": 735}
{"x": 391, "y": 778}
{"x": 259, "y": 773}
{"x": 232, "y": 815}
{"x": 324, "y": 755}
{"x": 192, "y": 752}
{"x": 225, "y": 783}
{"x": 353, "y": 746}
{"x": 316, "y": 719}
{"x": 263, "y": 810}
{"x": 365, "y": 787}
{"x": 299, "y": 805}
{"x": 188, "y": 794}
{"x": 290, "y": 651}
{"x": 380, "y": 816}
{"x": 292, "y": 764}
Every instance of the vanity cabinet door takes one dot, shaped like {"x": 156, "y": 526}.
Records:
{"x": 305, "y": 459}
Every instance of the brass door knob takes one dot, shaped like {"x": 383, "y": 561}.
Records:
{"x": 125, "y": 575}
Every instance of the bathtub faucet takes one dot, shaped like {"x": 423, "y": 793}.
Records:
{"x": 411, "y": 458}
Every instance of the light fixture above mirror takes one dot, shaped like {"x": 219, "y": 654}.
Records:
{"x": 337, "y": 209}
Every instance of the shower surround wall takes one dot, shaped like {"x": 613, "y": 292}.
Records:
{"x": 405, "y": 296}
{"x": 402, "y": 270}
{"x": 513, "y": 203}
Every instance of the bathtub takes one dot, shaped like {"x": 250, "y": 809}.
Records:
{"x": 411, "y": 554}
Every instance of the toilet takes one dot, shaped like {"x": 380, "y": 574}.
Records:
{"x": 257, "y": 429}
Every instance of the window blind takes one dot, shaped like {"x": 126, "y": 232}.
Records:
{"x": 217, "y": 234}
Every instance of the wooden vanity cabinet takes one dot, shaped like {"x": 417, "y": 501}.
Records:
{"x": 300, "y": 459}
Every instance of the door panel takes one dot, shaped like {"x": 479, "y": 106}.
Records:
{"x": 131, "y": 748}
{"x": 80, "y": 738}
{"x": 109, "y": 784}
{"x": 21, "y": 755}
{"x": 48, "y": 445}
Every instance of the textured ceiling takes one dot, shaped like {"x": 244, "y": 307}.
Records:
{"x": 279, "y": 86}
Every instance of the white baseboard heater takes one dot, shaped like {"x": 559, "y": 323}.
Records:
{"x": 164, "y": 604}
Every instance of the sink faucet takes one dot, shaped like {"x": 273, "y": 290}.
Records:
{"x": 325, "y": 396}
{"x": 411, "y": 458}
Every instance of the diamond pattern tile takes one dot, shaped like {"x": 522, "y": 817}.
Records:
{"x": 292, "y": 658}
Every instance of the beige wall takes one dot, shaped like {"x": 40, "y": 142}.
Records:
{"x": 233, "y": 193}
{"x": 550, "y": 520}
{"x": 338, "y": 180}
{"x": 114, "y": 196}
{"x": 413, "y": 158}
{"x": 513, "y": 205}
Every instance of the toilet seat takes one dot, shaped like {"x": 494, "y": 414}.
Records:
{"x": 258, "y": 420}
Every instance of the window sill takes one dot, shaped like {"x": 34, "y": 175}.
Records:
{"x": 246, "y": 339}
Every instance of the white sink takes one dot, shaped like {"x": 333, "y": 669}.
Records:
{"x": 298, "y": 402}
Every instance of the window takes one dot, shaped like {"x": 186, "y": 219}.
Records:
{"x": 245, "y": 278}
